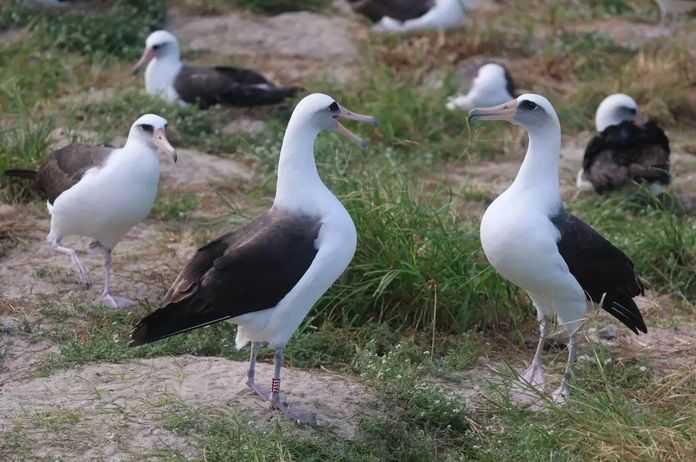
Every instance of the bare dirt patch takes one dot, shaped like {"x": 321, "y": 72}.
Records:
{"x": 290, "y": 47}
{"x": 119, "y": 410}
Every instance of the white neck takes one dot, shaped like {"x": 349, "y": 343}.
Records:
{"x": 298, "y": 178}
{"x": 161, "y": 72}
{"x": 539, "y": 170}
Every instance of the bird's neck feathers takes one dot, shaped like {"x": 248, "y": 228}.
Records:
{"x": 298, "y": 178}
{"x": 162, "y": 71}
{"x": 539, "y": 172}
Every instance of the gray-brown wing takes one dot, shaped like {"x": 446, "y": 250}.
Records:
{"x": 66, "y": 166}
{"x": 207, "y": 86}
{"x": 248, "y": 270}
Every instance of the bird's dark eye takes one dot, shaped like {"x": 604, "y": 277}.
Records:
{"x": 147, "y": 128}
{"x": 156, "y": 47}
{"x": 334, "y": 107}
{"x": 631, "y": 110}
{"x": 528, "y": 105}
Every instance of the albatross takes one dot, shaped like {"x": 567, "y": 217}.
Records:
{"x": 101, "y": 192}
{"x": 396, "y": 9}
{"x": 444, "y": 15}
{"x": 532, "y": 241}
{"x": 627, "y": 149}
{"x": 166, "y": 76}
{"x": 493, "y": 85}
{"x": 266, "y": 275}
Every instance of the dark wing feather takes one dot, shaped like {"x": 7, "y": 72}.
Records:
{"x": 398, "y": 9}
{"x": 207, "y": 86}
{"x": 63, "y": 168}
{"x": 627, "y": 152}
{"x": 509, "y": 83}
{"x": 66, "y": 166}
{"x": 603, "y": 271}
{"x": 248, "y": 270}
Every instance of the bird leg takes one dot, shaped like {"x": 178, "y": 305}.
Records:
{"x": 561, "y": 394}
{"x": 534, "y": 375}
{"x": 251, "y": 375}
{"x": 84, "y": 277}
{"x": 276, "y": 403}
{"x": 106, "y": 297}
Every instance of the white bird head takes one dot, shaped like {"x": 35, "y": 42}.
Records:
{"x": 159, "y": 44}
{"x": 492, "y": 85}
{"x": 322, "y": 112}
{"x": 151, "y": 130}
{"x": 533, "y": 112}
{"x": 615, "y": 109}
{"x": 492, "y": 77}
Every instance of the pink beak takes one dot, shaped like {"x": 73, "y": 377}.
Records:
{"x": 148, "y": 54}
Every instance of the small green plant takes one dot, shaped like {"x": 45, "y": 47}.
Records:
{"x": 175, "y": 206}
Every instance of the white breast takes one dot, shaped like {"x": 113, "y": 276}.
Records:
{"x": 107, "y": 202}
{"x": 336, "y": 245}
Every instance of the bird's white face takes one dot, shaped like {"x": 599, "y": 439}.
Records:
{"x": 490, "y": 76}
{"x": 323, "y": 112}
{"x": 151, "y": 129}
{"x": 615, "y": 109}
{"x": 158, "y": 44}
{"x": 530, "y": 111}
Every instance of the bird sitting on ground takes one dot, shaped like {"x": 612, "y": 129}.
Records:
{"x": 101, "y": 192}
{"x": 532, "y": 241}
{"x": 266, "y": 275}
{"x": 166, "y": 76}
{"x": 626, "y": 150}
{"x": 400, "y": 10}
{"x": 493, "y": 85}
{"x": 444, "y": 15}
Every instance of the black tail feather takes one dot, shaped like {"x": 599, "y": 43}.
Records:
{"x": 21, "y": 173}
{"x": 170, "y": 320}
{"x": 625, "y": 310}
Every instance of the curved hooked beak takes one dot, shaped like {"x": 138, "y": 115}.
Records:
{"x": 147, "y": 56}
{"x": 505, "y": 111}
{"x": 340, "y": 128}
{"x": 159, "y": 137}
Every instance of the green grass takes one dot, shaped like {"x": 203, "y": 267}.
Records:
{"x": 660, "y": 240}
{"x": 178, "y": 207}
{"x": 416, "y": 262}
{"x": 118, "y": 31}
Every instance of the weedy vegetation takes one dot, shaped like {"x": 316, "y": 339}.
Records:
{"x": 419, "y": 311}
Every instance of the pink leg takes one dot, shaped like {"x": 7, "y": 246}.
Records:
{"x": 106, "y": 297}
{"x": 55, "y": 245}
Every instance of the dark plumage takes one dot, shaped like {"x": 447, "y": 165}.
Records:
{"x": 63, "y": 168}
{"x": 207, "y": 86}
{"x": 625, "y": 153}
{"x": 230, "y": 276}
{"x": 402, "y": 10}
{"x": 604, "y": 272}
{"x": 509, "y": 83}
